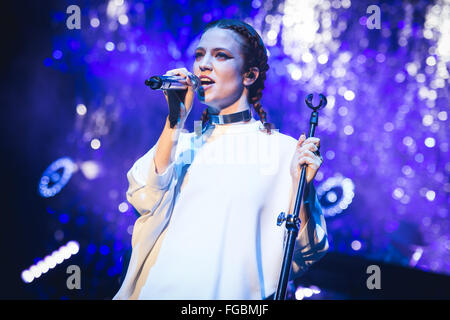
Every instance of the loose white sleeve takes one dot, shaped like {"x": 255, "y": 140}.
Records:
{"x": 146, "y": 187}
{"x": 312, "y": 242}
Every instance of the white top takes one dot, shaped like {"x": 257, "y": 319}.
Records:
{"x": 208, "y": 223}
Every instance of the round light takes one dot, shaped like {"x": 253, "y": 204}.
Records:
{"x": 431, "y": 61}
{"x": 307, "y": 57}
{"x": 420, "y": 78}
{"x": 59, "y": 235}
{"x": 315, "y": 290}
{"x": 27, "y": 276}
{"x": 430, "y": 195}
{"x": 42, "y": 266}
{"x": 417, "y": 254}
{"x": 123, "y": 207}
{"x": 322, "y": 59}
{"x": 272, "y": 35}
{"x": 405, "y": 199}
{"x": 95, "y": 144}
{"x": 81, "y": 109}
{"x": 343, "y": 111}
{"x": 380, "y": 58}
{"x": 109, "y": 46}
{"x": 419, "y": 157}
{"x": 57, "y": 54}
{"x": 35, "y": 271}
{"x": 349, "y": 95}
{"x": 399, "y": 77}
{"x": 430, "y": 142}
{"x": 407, "y": 170}
{"x": 442, "y": 115}
{"x": 427, "y": 120}
{"x": 296, "y": 74}
{"x": 388, "y": 126}
{"x": 299, "y": 294}
{"x": 307, "y": 292}
{"x": 331, "y": 196}
{"x": 73, "y": 247}
{"x": 66, "y": 253}
{"x": 123, "y": 19}
{"x": 95, "y": 22}
{"x": 90, "y": 169}
{"x": 130, "y": 229}
{"x": 330, "y": 154}
{"x": 346, "y": 4}
{"x": 256, "y": 4}
{"x": 104, "y": 250}
{"x": 411, "y": 68}
{"x": 59, "y": 258}
{"x": 398, "y": 193}
{"x": 356, "y": 245}
{"x": 348, "y": 130}
{"x": 408, "y": 141}
{"x": 50, "y": 261}
{"x": 121, "y": 46}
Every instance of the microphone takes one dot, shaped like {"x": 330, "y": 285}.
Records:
{"x": 172, "y": 82}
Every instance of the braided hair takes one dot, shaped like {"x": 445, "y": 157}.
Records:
{"x": 255, "y": 55}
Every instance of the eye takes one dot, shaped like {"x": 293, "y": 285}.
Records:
{"x": 222, "y": 55}
{"x": 198, "y": 54}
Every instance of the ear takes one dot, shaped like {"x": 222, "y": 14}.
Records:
{"x": 251, "y": 76}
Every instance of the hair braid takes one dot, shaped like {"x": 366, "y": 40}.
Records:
{"x": 255, "y": 55}
{"x": 205, "y": 117}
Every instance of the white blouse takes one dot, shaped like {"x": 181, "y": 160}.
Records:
{"x": 208, "y": 228}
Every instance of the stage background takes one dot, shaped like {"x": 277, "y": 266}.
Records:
{"x": 76, "y": 99}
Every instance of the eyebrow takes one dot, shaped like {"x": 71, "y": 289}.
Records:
{"x": 215, "y": 49}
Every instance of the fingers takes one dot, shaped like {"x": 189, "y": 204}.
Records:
{"x": 311, "y": 160}
{"x": 313, "y": 140}
{"x": 303, "y": 140}
{"x": 309, "y": 146}
{"x": 308, "y": 154}
{"x": 181, "y": 72}
{"x": 177, "y": 72}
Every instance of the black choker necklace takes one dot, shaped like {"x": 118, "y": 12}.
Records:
{"x": 230, "y": 118}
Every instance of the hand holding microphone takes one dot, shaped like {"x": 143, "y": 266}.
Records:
{"x": 179, "y": 87}
{"x": 172, "y": 82}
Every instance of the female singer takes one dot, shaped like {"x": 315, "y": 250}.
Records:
{"x": 209, "y": 199}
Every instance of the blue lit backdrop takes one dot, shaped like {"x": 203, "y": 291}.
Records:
{"x": 385, "y": 181}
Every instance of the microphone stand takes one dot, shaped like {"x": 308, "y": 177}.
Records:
{"x": 293, "y": 221}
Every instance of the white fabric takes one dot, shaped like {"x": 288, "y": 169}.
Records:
{"x": 208, "y": 223}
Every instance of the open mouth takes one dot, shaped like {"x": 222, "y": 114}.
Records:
{"x": 206, "y": 82}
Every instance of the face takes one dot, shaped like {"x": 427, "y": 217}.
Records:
{"x": 218, "y": 57}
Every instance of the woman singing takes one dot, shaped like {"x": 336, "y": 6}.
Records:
{"x": 209, "y": 199}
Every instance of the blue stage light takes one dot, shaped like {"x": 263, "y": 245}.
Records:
{"x": 56, "y": 176}
{"x": 337, "y": 192}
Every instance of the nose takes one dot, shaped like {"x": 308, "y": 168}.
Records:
{"x": 205, "y": 63}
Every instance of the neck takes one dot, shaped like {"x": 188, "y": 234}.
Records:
{"x": 240, "y": 105}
